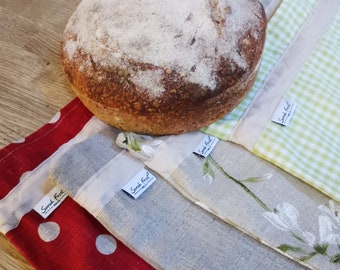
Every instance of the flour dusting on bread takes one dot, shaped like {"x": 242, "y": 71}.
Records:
{"x": 189, "y": 36}
{"x": 163, "y": 67}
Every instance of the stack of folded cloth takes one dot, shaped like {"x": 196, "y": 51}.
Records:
{"x": 223, "y": 210}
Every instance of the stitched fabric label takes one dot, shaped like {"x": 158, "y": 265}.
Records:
{"x": 50, "y": 202}
{"x": 205, "y": 147}
{"x": 284, "y": 113}
{"x": 139, "y": 183}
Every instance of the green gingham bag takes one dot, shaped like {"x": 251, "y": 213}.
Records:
{"x": 300, "y": 69}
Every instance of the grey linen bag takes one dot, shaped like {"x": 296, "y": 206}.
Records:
{"x": 161, "y": 226}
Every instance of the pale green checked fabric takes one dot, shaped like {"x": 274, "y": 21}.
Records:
{"x": 308, "y": 74}
{"x": 281, "y": 30}
{"x": 310, "y": 147}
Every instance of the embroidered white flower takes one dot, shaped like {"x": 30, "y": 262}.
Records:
{"x": 139, "y": 146}
{"x": 333, "y": 212}
{"x": 285, "y": 218}
{"x": 208, "y": 172}
{"x": 329, "y": 224}
{"x": 257, "y": 179}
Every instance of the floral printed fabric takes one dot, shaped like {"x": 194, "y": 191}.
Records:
{"x": 161, "y": 225}
{"x": 256, "y": 197}
{"x": 326, "y": 242}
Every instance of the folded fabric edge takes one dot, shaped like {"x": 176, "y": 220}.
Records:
{"x": 261, "y": 109}
{"x": 270, "y": 7}
{"x": 168, "y": 157}
{"x": 39, "y": 177}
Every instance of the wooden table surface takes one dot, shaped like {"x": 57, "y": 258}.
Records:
{"x": 33, "y": 87}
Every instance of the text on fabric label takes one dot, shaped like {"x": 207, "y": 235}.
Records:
{"x": 139, "y": 183}
{"x": 284, "y": 112}
{"x": 50, "y": 202}
{"x": 206, "y": 145}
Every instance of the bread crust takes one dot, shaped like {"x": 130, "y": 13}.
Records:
{"x": 111, "y": 94}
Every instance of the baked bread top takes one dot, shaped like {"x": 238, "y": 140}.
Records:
{"x": 145, "y": 57}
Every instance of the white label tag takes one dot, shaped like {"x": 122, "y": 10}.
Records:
{"x": 206, "y": 145}
{"x": 50, "y": 202}
{"x": 284, "y": 112}
{"x": 139, "y": 183}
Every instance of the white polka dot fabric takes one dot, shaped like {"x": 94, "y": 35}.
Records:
{"x": 69, "y": 238}
{"x": 48, "y": 231}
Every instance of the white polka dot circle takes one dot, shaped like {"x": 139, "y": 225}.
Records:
{"x": 55, "y": 118}
{"x": 21, "y": 140}
{"x": 24, "y": 176}
{"x": 48, "y": 231}
{"x": 106, "y": 244}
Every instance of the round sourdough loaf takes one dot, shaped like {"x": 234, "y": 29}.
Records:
{"x": 163, "y": 66}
